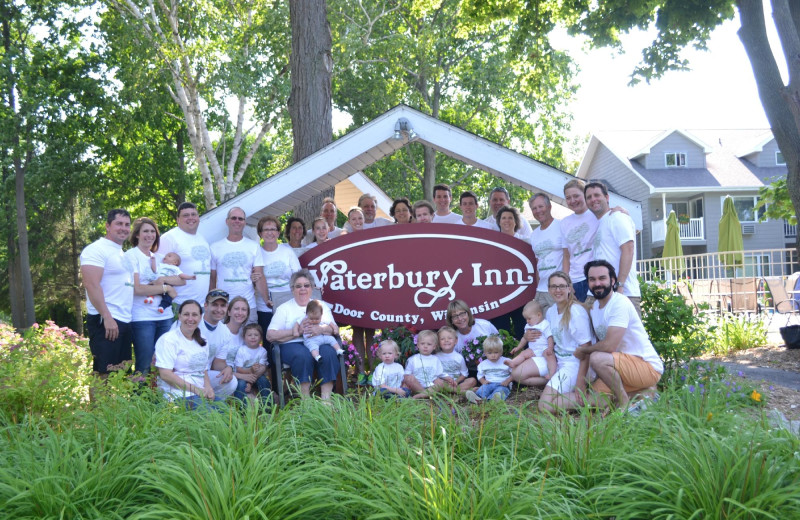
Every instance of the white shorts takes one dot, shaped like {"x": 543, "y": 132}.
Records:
{"x": 541, "y": 364}
{"x": 563, "y": 381}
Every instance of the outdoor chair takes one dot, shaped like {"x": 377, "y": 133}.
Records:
{"x": 781, "y": 301}
{"x": 743, "y": 296}
{"x": 704, "y": 292}
{"x": 340, "y": 386}
{"x": 685, "y": 292}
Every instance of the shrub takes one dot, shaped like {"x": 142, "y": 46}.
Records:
{"x": 44, "y": 372}
{"x": 738, "y": 333}
{"x": 473, "y": 352}
{"x": 406, "y": 339}
{"x": 676, "y": 333}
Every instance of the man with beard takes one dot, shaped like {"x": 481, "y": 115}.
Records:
{"x": 622, "y": 356}
{"x": 218, "y": 338}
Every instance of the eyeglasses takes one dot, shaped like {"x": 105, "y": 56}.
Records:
{"x": 460, "y": 315}
{"x": 559, "y": 287}
{"x": 218, "y": 293}
{"x": 302, "y": 285}
{"x": 271, "y": 229}
{"x": 240, "y": 219}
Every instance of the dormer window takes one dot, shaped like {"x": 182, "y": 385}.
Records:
{"x": 779, "y": 160}
{"x": 675, "y": 160}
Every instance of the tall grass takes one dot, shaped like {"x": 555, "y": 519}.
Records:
{"x": 374, "y": 459}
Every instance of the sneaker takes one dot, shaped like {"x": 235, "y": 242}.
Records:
{"x": 498, "y": 397}
{"x": 635, "y": 409}
{"x": 362, "y": 379}
{"x": 472, "y": 397}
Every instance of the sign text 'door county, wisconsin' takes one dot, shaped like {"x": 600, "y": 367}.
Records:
{"x": 408, "y": 274}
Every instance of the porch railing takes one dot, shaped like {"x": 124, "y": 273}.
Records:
{"x": 789, "y": 230}
{"x": 712, "y": 266}
{"x": 693, "y": 230}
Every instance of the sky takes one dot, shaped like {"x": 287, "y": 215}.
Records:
{"x": 719, "y": 91}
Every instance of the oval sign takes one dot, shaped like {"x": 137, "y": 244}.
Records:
{"x": 408, "y": 274}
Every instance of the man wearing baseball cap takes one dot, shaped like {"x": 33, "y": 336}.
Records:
{"x": 218, "y": 338}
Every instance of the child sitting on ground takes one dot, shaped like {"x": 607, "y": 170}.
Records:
{"x": 455, "y": 367}
{"x": 493, "y": 373}
{"x": 168, "y": 268}
{"x": 541, "y": 350}
{"x": 424, "y": 370}
{"x": 387, "y": 378}
{"x": 313, "y": 343}
{"x": 251, "y": 364}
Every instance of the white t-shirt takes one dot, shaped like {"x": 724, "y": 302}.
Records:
{"x": 577, "y": 232}
{"x": 309, "y": 238}
{"x": 117, "y": 279}
{"x": 424, "y": 368}
{"x": 453, "y": 364}
{"x": 187, "y": 359}
{"x": 142, "y": 266}
{"x": 195, "y": 259}
{"x": 523, "y": 233}
{"x": 568, "y": 339}
{"x": 478, "y": 224}
{"x": 538, "y": 346}
{"x": 247, "y": 357}
{"x": 494, "y": 371}
{"x": 235, "y": 342}
{"x": 450, "y": 218}
{"x": 378, "y": 222}
{"x": 279, "y": 265}
{"x": 389, "y": 375}
{"x": 480, "y": 328}
{"x": 218, "y": 340}
{"x": 234, "y": 262}
{"x": 614, "y": 229}
{"x": 548, "y": 245}
{"x": 168, "y": 270}
{"x": 287, "y": 314}
{"x": 620, "y": 312}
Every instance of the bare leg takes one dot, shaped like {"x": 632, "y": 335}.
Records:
{"x": 305, "y": 389}
{"x": 528, "y": 374}
{"x": 467, "y": 384}
{"x": 362, "y": 340}
{"x": 414, "y": 385}
{"x": 553, "y": 402}
{"x": 603, "y": 365}
{"x": 326, "y": 389}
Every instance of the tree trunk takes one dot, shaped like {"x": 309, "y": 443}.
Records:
{"x": 428, "y": 172}
{"x": 75, "y": 290}
{"x": 310, "y": 101}
{"x": 775, "y": 96}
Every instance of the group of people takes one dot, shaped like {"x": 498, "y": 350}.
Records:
{"x": 226, "y": 292}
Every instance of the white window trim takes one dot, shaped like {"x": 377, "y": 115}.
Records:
{"x": 676, "y": 154}
{"x": 755, "y": 211}
{"x": 692, "y": 201}
{"x": 778, "y": 162}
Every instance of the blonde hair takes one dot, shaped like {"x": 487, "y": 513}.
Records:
{"x": 574, "y": 183}
{"x": 448, "y": 328}
{"x": 567, "y": 316}
{"x": 391, "y": 344}
{"x": 532, "y": 306}
{"x": 492, "y": 344}
{"x": 426, "y": 333}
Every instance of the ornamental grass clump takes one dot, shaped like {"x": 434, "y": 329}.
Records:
{"x": 44, "y": 372}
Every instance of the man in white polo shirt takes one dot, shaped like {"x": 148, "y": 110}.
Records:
{"x": 108, "y": 278}
{"x": 234, "y": 259}
{"x": 194, "y": 252}
{"x": 468, "y": 202}
{"x": 623, "y": 357}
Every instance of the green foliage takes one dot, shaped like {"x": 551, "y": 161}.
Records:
{"x": 473, "y": 352}
{"x": 405, "y": 337}
{"x": 738, "y": 333}
{"x": 676, "y": 333}
{"x": 46, "y": 372}
{"x": 778, "y": 204}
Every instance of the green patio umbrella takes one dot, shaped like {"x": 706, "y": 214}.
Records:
{"x": 673, "y": 247}
{"x": 730, "y": 235}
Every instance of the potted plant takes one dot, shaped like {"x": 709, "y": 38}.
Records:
{"x": 683, "y": 218}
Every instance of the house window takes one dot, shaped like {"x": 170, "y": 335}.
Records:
{"x": 675, "y": 160}
{"x": 779, "y": 160}
{"x": 746, "y": 208}
{"x": 756, "y": 265}
{"x": 680, "y": 208}
{"x": 697, "y": 208}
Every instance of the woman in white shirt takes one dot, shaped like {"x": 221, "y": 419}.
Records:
{"x": 460, "y": 317}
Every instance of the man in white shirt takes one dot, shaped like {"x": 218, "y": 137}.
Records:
{"x": 234, "y": 259}
{"x": 577, "y": 232}
{"x": 615, "y": 241}
{"x": 548, "y": 246}
{"x": 218, "y": 337}
{"x": 442, "y": 196}
{"x": 368, "y": 206}
{"x": 329, "y": 212}
{"x": 423, "y": 212}
{"x": 468, "y": 202}
{"x": 623, "y": 357}
{"x": 108, "y": 278}
{"x": 498, "y": 198}
{"x": 194, "y": 252}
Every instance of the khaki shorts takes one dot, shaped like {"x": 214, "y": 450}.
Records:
{"x": 636, "y": 374}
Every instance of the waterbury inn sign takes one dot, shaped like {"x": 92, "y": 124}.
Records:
{"x": 408, "y": 274}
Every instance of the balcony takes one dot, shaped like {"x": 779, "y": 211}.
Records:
{"x": 693, "y": 230}
{"x": 789, "y": 230}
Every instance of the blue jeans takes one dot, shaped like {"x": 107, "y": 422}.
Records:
{"x": 262, "y": 383}
{"x": 488, "y": 390}
{"x": 145, "y": 335}
{"x": 581, "y": 290}
{"x": 297, "y": 356}
{"x": 195, "y": 402}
